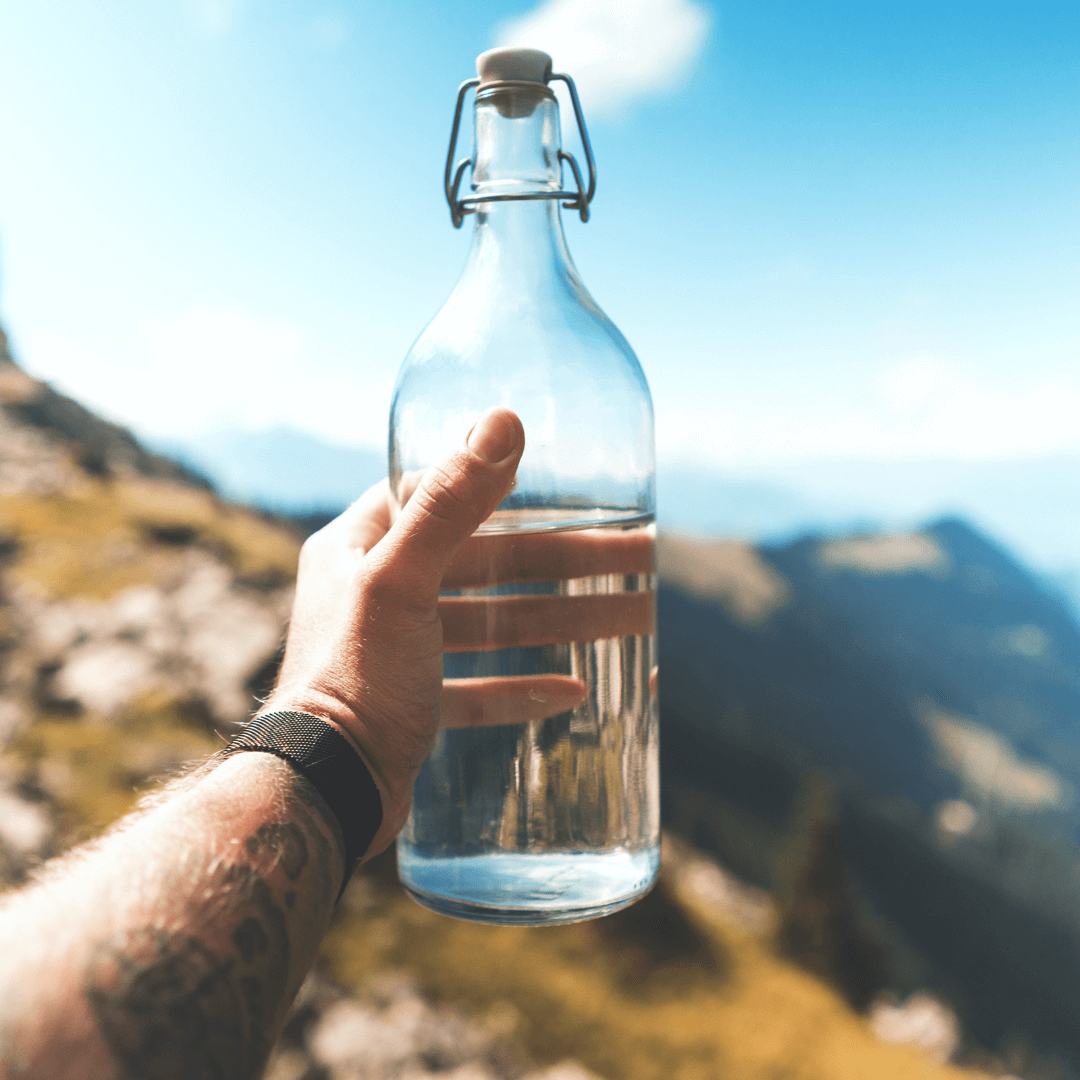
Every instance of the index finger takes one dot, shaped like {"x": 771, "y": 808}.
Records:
{"x": 555, "y": 556}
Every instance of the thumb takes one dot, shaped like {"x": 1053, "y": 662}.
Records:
{"x": 451, "y": 501}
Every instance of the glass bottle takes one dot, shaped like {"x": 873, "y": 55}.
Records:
{"x": 539, "y": 802}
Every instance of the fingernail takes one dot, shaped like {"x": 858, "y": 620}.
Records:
{"x": 494, "y": 436}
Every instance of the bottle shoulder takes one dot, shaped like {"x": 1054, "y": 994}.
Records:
{"x": 558, "y": 330}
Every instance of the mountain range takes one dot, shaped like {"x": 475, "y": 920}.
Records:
{"x": 910, "y": 705}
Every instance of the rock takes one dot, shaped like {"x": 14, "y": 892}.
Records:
{"x": 100, "y": 676}
{"x": 391, "y": 1032}
{"x": 746, "y": 905}
{"x": 354, "y": 1039}
{"x": 288, "y": 1064}
{"x": 30, "y": 464}
{"x": 199, "y": 635}
{"x": 565, "y": 1070}
{"x": 27, "y": 831}
{"x": 15, "y": 716}
{"x": 922, "y": 1021}
{"x": 472, "y": 1071}
{"x": 25, "y": 827}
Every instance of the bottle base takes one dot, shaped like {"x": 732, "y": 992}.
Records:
{"x": 529, "y": 889}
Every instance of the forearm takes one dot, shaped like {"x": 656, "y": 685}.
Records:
{"x": 173, "y": 946}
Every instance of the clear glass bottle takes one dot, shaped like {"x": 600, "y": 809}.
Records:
{"x": 539, "y": 802}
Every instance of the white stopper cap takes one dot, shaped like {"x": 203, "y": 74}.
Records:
{"x": 513, "y": 65}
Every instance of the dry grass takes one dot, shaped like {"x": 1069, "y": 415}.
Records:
{"x": 622, "y": 1000}
{"x": 94, "y": 769}
{"x": 109, "y": 536}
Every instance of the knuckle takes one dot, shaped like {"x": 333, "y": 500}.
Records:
{"x": 381, "y": 584}
{"x": 445, "y": 494}
{"x": 389, "y": 587}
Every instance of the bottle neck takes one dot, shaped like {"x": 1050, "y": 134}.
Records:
{"x": 517, "y": 246}
{"x": 518, "y": 243}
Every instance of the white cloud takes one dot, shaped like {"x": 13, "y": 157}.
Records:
{"x": 913, "y": 386}
{"x": 617, "y": 51}
{"x": 222, "y": 364}
{"x": 231, "y": 369}
{"x": 934, "y": 407}
{"x": 920, "y": 407}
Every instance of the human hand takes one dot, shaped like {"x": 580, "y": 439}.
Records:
{"x": 368, "y": 628}
{"x": 365, "y": 641}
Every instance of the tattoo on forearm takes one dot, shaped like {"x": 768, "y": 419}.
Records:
{"x": 167, "y": 1007}
{"x": 175, "y": 1007}
{"x": 305, "y": 791}
{"x": 286, "y": 842}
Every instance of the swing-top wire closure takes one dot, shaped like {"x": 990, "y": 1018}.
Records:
{"x": 579, "y": 199}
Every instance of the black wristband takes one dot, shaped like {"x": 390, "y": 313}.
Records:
{"x": 330, "y": 763}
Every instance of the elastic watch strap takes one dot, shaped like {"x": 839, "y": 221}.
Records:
{"x": 334, "y": 768}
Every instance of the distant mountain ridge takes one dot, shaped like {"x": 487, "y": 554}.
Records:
{"x": 282, "y": 470}
{"x": 1033, "y": 506}
{"x": 902, "y": 629}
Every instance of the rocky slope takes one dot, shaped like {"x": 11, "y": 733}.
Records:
{"x": 131, "y": 597}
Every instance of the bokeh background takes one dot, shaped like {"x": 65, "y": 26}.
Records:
{"x": 843, "y": 240}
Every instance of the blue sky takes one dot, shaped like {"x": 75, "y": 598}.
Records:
{"x": 845, "y": 231}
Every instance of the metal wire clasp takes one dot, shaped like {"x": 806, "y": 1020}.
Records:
{"x": 579, "y": 199}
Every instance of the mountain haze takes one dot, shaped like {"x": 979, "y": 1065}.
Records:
{"x": 282, "y": 470}
{"x": 1033, "y": 506}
